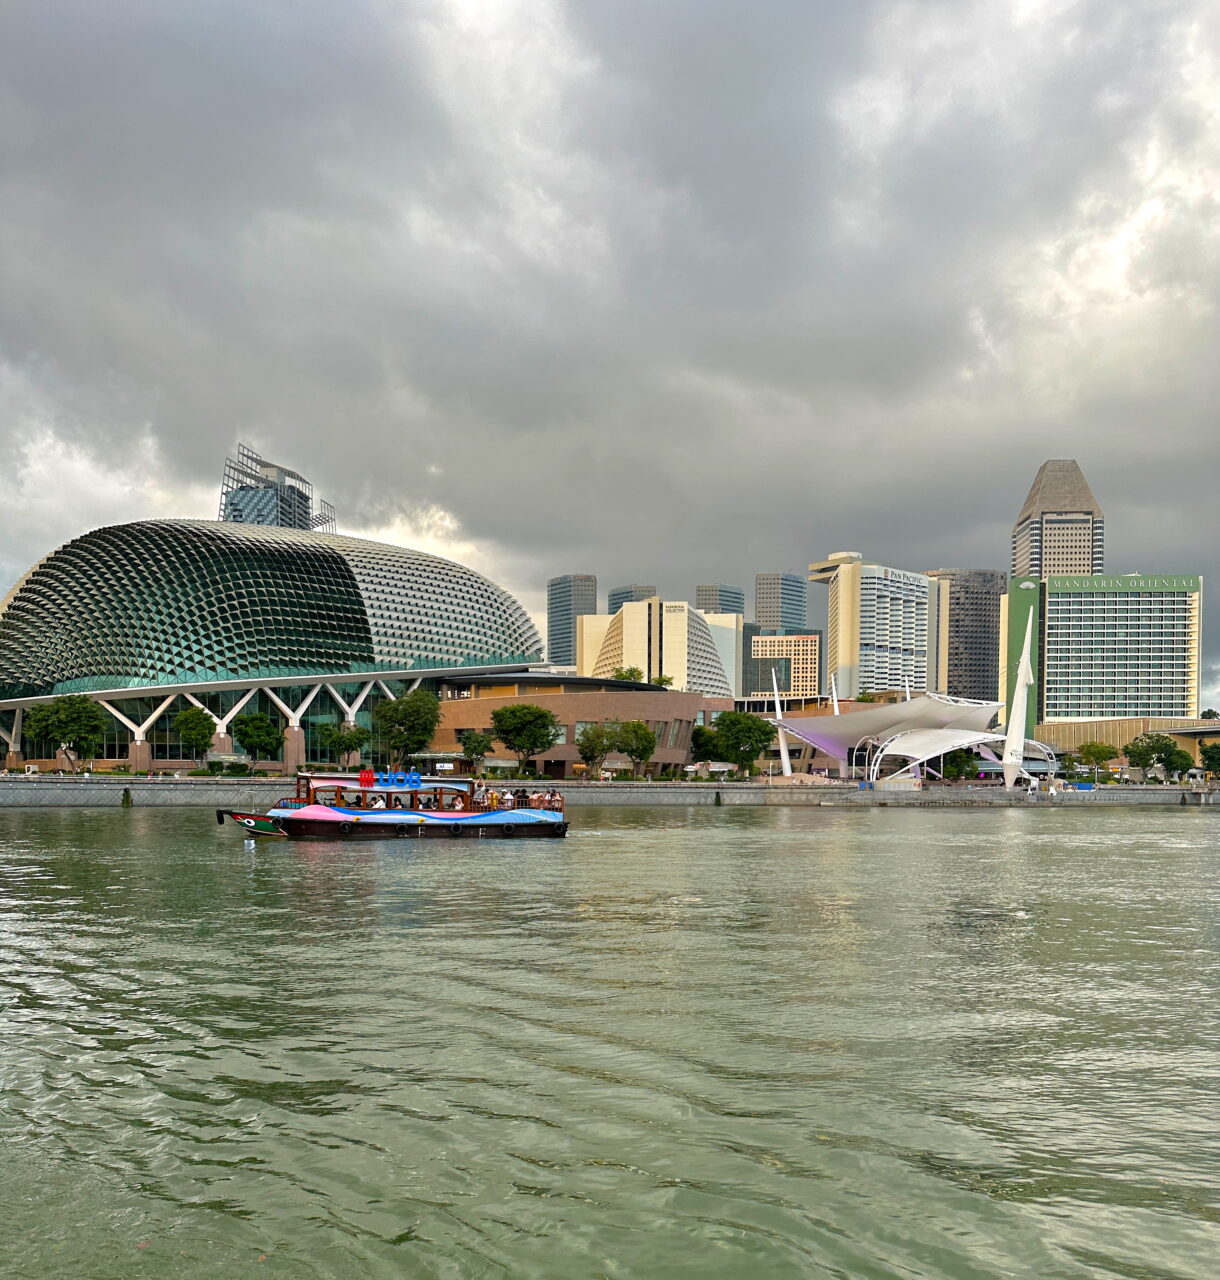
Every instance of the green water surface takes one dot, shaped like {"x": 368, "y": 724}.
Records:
{"x": 682, "y": 1043}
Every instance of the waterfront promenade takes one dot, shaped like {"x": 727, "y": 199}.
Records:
{"x": 108, "y": 792}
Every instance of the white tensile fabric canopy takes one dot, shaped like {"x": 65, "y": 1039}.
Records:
{"x": 838, "y": 735}
{"x": 921, "y": 745}
{"x": 918, "y": 730}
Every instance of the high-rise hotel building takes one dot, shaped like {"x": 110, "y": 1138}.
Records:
{"x": 1105, "y": 647}
{"x": 882, "y": 624}
{"x": 660, "y": 637}
{"x": 1060, "y": 529}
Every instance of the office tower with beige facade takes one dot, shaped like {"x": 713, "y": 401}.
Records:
{"x": 882, "y": 626}
{"x": 781, "y": 601}
{"x": 795, "y": 660}
{"x": 716, "y": 597}
{"x": 1060, "y": 529}
{"x": 660, "y": 637}
{"x": 968, "y": 644}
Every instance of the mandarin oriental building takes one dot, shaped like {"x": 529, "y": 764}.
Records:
{"x": 1104, "y": 646}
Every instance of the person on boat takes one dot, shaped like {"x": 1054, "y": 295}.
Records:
{"x": 377, "y": 802}
{"x": 507, "y": 800}
{"x": 480, "y": 793}
{"x": 459, "y": 803}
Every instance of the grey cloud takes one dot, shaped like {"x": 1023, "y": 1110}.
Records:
{"x": 627, "y": 287}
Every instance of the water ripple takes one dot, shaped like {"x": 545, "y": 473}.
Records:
{"x": 788, "y": 1043}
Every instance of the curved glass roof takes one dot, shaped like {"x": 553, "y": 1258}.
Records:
{"x": 161, "y": 602}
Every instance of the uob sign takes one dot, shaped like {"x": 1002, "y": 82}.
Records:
{"x": 409, "y": 780}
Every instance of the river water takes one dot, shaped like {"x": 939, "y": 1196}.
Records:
{"x": 858, "y": 1044}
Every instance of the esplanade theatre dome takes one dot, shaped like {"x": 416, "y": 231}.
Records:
{"x": 162, "y": 602}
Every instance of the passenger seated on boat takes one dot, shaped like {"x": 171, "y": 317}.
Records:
{"x": 506, "y": 800}
{"x": 377, "y": 802}
{"x": 459, "y": 803}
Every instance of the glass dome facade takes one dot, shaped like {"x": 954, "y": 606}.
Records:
{"x": 162, "y": 602}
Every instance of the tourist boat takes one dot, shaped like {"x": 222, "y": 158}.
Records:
{"x": 381, "y": 806}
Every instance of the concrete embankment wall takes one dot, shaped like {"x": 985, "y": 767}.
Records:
{"x": 260, "y": 793}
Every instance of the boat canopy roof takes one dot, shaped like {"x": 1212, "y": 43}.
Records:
{"x": 352, "y": 782}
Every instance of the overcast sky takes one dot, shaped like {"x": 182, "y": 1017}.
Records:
{"x": 666, "y": 292}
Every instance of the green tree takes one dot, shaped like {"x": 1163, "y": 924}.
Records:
{"x": 637, "y": 742}
{"x": 1096, "y": 755}
{"x": 594, "y": 743}
{"x": 704, "y": 745}
{"x": 662, "y": 682}
{"x": 475, "y": 745}
{"x": 1177, "y": 762}
{"x": 72, "y": 721}
{"x": 195, "y": 729}
{"x": 743, "y": 737}
{"x": 525, "y": 729}
{"x": 1069, "y": 764}
{"x": 258, "y": 735}
{"x": 408, "y": 724}
{"x": 1209, "y": 755}
{"x": 1210, "y": 714}
{"x": 1149, "y": 749}
{"x": 343, "y": 740}
{"x": 959, "y": 764}
{"x": 628, "y": 673}
{"x": 866, "y": 697}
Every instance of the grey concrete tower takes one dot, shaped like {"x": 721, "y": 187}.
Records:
{"x": 1060, "y": 529}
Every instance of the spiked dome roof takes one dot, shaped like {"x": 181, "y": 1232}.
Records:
{"x": 162, "y": 602}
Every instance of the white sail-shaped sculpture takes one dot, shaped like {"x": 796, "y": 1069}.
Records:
{"x": 785, "y": 760}
{"x": 1014, "y": 738}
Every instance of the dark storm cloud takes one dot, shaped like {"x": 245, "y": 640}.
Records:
{"x": 672, "y": 292}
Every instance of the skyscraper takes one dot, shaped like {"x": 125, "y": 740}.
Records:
{"x": 568, "y": 597}
{"x": 1104, "y": 647}
{"x": 781, "y": 601}
{"x": 880, "y": 622}
{"x": 1060, "y": 529}
{"x": 969, "y": 641}
{"x": 620, "y": 596}
{"x": 718, "y": 598}
{"x": 255, "y": 491}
